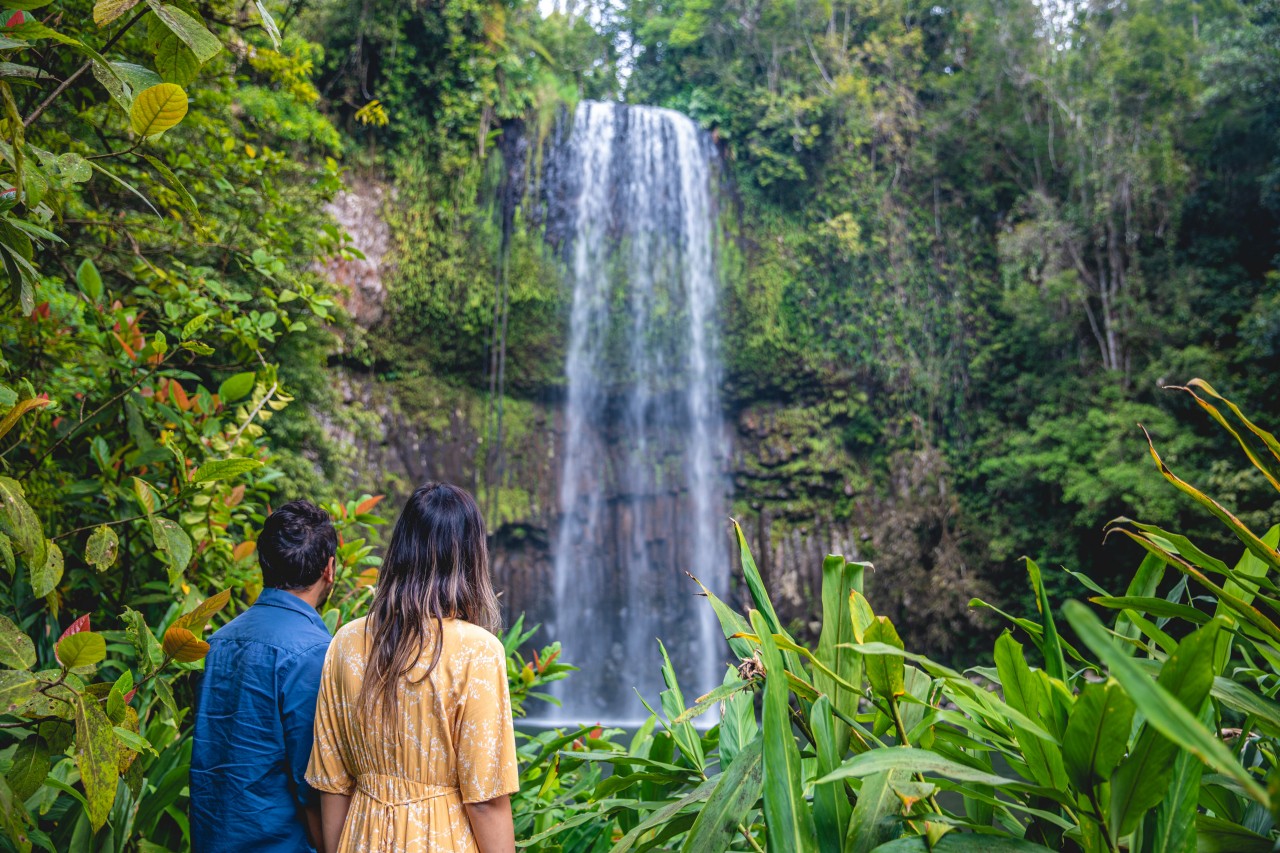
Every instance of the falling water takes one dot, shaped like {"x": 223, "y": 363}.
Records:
{"x": 642, "y": 488}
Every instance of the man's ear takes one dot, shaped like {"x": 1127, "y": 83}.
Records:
{"x": 327, "y": 575}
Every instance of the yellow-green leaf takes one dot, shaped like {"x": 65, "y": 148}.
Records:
{"x": 45, "y": 578}
{"x": 96, "y": 758}
{"x": 16, "y": 649}
{"x": 19, "y": 522}
{"x": 157, "y": 109}
{"x": 83, "y": 649}
{"x": 106, "y": 11}
{"x": 102, "y": 548}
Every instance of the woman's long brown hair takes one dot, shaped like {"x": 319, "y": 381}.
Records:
{"x": 436, "y": 567}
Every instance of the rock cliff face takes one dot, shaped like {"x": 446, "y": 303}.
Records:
{"x": 359, "y": 211}
{"x": 798, "y": 485}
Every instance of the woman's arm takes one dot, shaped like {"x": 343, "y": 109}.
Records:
{"x": 333, "y": 815}
{"x": 491, "y": 824}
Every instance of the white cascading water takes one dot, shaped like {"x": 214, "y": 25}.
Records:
{"x": 643, "y": 485}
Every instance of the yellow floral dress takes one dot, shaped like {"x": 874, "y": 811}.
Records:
{"x": 453, "y": 743}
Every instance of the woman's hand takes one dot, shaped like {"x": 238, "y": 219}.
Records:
{"x": 491, "y": 825}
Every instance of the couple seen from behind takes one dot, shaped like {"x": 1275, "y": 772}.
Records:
{"x": 397, "y": 735}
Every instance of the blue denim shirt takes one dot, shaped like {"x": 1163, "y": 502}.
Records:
{"x": 255, "y": 710}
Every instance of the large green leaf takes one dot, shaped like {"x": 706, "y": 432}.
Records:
{"x": 1163, "y": 709}
{"x": 1157, "y": 607}
{"x": 760, "y": 596}
{"x": 1265, "y": 712}
{"x": 17, "y": 651}
{"x": 1025, "y": 693}
{"x": 174, "y": 543}
{"x": 81, "y": 649}
{"x": 830, "y": 800}
{"x": 174, "y": 60}
{"x": 736, "y": 793}
{"x": 224, "y": 469}
{"x": 738, "y": 726}
{"x": 731, "y": 623}
{"x": 1143, "y": 778}
{"x": 1097, "y": 734}
{"x": 1217, "y": 835}
{"x": 885, "y": 672}
{"x": 1175, "y": 818}
{"x": 96, "y": 756}
{"x": 1050, "y": 644}
{"x": 786, "y": 812}
{"x": 18, "y": 521}
{"x": 194, "y": 34}
{"x": 673, "y": 706}
{"x": 17, "y": 687}
{"x": 665, "y": 815}
{"x": 45, "y": 578}
{"x": 912, "y": 760}
{"x": 102, "y": 548}
{"x": 30, "y": 767}
{"x": 1144, "y": 584}
{"x": 839, "y": 579}
{"x": 106, "y": 11}
{"x": 145, "y": 644}
{"x": 874, "y": 816}
{"x": 235, "y": 387}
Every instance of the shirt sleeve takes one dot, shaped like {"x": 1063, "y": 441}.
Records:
{"x": 328, "y": 770}
{"x": 486, "y": 733}
{"x": 298, "y": 688}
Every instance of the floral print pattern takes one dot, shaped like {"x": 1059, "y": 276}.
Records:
{"x": 453, "y": 743}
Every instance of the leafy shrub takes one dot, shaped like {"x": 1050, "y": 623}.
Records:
{"x": 1155, "y": 731}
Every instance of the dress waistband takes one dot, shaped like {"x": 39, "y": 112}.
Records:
{"x": 397, "y": 791}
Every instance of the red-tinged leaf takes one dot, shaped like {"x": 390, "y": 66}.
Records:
{"x": 128, "y": 697}
{"x": 81, "y": 624}
{"x": 369, "y": 577}
{"x": 237, "y": 495}
{"x": 596, "y": 733}
{"x": 16, "y": 19}
{"x": 367, "y": 505}
{"x": 243, "y": 550}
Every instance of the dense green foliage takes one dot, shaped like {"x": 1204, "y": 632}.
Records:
{"x": 1154, "y": 732}
{"x": 161, "y": 221}
{"x": 980, "y": 236}
{"x": 978, "y": 239}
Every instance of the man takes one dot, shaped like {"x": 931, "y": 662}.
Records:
{"x": 256, "y": 702}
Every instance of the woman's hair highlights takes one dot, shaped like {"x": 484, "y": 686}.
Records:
{"x": 436, "y": 567}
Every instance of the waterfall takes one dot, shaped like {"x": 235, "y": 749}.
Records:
{"x": 642, "y": 491}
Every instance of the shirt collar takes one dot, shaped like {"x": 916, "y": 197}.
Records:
{"x": 271, "y": 597}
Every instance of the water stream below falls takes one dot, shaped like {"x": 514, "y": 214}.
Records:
{"x": 643, "y": 484}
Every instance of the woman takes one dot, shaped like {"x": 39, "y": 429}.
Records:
{"x": 414, "y": 746}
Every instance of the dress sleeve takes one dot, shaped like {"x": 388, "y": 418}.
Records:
{"x": 328, "y": 770}
{"x": 486, "y": 737}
